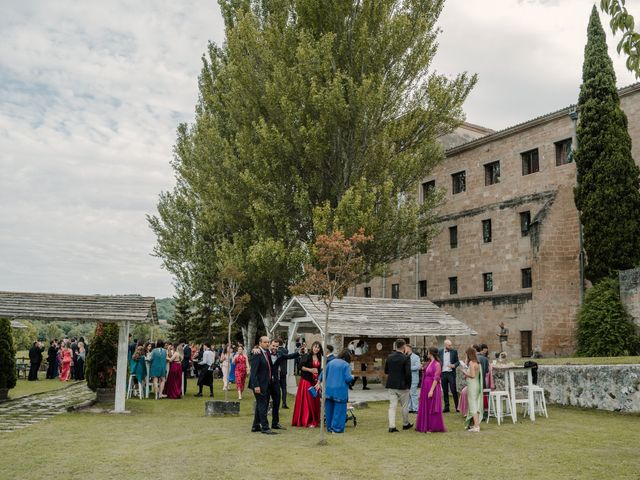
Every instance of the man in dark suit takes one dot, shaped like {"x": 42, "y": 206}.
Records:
{"x": 279, "y": 357}
{"x": 398, "y": 371}
{"x": 284, "y": 368}
{"x": 35, "y": 358}
{"x": 186, "y": 360}
{"x": 450, "y": 362}
{"x": 259, "y": 382}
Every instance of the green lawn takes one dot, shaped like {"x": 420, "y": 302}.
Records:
{"x": 169, "y": 438}
{"x": 24, "y": 387}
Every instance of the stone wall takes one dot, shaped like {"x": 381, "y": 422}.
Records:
{"x": 606, "y": 387}
{"x": 630, "y": 292}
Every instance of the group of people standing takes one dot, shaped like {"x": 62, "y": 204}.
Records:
{"x": 65, "y": 359}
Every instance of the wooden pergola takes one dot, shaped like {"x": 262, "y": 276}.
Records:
{"x": 368, "y": 317}
{"x": 121, "y": 309}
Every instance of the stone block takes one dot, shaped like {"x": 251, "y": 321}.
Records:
{"x": 217, "y": 408}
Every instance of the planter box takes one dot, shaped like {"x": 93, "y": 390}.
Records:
{"x": 216, "y": 408}
{"x": 106, "y": 395}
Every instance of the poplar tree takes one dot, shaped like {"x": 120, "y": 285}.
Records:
{"x": 308, "y": 104}
{"x": 608, "y": 190}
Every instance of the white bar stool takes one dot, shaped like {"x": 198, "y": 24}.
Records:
{"x": 539, "y": 402}
{"x": 496, "y": 399}
{"x": 134, "y": 385}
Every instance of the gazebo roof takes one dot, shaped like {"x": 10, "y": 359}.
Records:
{"x": 17, "y": 325}
{"x": 372, "y": 317}
{"x": 78, "y": 308}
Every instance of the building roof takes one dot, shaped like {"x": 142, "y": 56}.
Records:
{"x": 455, "y": 149}
{"x": 17, "y": 325}
{"x": 372, "y": 317}
{"x": 78, "y": 308}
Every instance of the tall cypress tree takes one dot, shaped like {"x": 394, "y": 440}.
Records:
{"x": 608, "y": 191}
{"x": 182, "y": 325}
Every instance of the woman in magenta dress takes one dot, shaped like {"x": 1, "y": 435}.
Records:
{"x": 241, "y": 368}
{"x": 65, "y": 370}
{"x": 173, "y": 385}
{"x": 306, "y": 412}
{"x": 430, "y": 417}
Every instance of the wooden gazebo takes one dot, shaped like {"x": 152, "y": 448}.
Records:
{"x": 121, "y": 309}
{"x": 357, "y": 317}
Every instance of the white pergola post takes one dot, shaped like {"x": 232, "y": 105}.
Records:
{"x": 291, "y": 346}
{"x": 121, "y": 372}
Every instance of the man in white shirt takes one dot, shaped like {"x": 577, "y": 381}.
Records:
{"x": 205, "y": 375}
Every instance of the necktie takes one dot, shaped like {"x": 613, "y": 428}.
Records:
{"x": 266, "y": 356}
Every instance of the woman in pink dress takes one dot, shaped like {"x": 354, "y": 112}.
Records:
{"x": 430, "y": 417}
{"x": 242, "y": 367}
{"x": 65, "y": 370}
{"x": 173, "y": 385}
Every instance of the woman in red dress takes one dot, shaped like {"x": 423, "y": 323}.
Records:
{"x": 242, "y": 368}
{"x": 65, "y": 371}
{"x": 173, "y": 385}
{"x": 306, "y": 412}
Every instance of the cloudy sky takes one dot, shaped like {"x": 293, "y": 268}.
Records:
{"x": 91, "y": 94}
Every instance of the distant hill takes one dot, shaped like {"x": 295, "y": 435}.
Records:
{"x": 166, "y": 309}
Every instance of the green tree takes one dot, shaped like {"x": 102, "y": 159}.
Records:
{"x": 622, "y": 21}
{"x": 181, "y": 327}
{"x": 23, "y": 338}
{"x": 308, "y": 104}
{"x": 102, "y": 357}
{"x": 607, "y": 174}
{"x": 605, "y": 328}
{"x": 7, "y": 356}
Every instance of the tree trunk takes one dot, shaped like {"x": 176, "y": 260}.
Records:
{"x": 249, "y": 332}
{"x": 324, "y": 374}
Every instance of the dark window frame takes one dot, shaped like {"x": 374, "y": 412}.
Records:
{"x": 426, "y": 188}
{"x": 564, "y": 152}
{"x": 525, "y": 223}
{"x": 487, "y": 235}
{"x": 487, "y": 281}
{"x": 395, "y": 290}
{"x": 453, "y": 236}
{"x": 367, "y": 292}
{"x": 453, "y": 285}
{"x": 530, "y": 161}
{"x": 422, "y": 288}
{"x": 526, "y": 277}
{"x": 491, "y": 173}
{"x": 459, "y": 182}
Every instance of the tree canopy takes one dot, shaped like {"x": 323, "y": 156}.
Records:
{"x": 312, "y": 117}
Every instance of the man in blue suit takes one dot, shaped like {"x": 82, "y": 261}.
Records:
{"x": 450, "y": 362}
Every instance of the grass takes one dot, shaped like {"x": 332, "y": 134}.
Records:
{"x": 580, "y": 360}
{"x": 165, "y": 438}
{"x": 25, "y": 387}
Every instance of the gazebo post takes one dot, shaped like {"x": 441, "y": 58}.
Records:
{"x": 291, "y": 345}
{"x": 121, "y": 372}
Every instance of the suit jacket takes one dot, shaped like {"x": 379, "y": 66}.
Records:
{"x": 35, "y": 354}
{"x": 280, "y": 365}
{"x": 187, "y": 358}
{"x": 454, "y": 359}
{"x": 330, "y": 357}
{"x": 306, "y": 361}
{"x": 261, "y": 368}
{"x": 398, "y": 370}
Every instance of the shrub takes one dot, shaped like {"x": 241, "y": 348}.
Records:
{"x": 102, "y": 357}
{"x": 8, "y": 377}
{"x": 605, "y": 328}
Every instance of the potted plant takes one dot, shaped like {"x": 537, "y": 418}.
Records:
{"x": 8, "y": 377}
{"x": 102, "y": 357}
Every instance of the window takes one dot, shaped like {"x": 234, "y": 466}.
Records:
{"x": 426, "y": 188}
{"x": 525, "y": 223}
{"x": 459, "y": 182}
{"x": 530, "y": 162}
{"x": 564, "y": 154}
{"x": 487, "y": 280}
{"x": 526, "y": 277}
{"x": 422, "y": 288}
{"x": 453, "y": 285}
{"x": 492, "y": 173}
{"x": 367, "y": 292}
{"x": 486, "y": 231}
{"x": 453, "y": 236}
{"x": 395, "y": 290}
{"x": 526, "y": 343}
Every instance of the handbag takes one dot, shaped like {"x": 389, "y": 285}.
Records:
{"x": 313, "y": 392}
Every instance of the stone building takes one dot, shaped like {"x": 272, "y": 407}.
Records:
{"x": 509, "y": 245}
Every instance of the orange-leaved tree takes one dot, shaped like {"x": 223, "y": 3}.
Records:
{"x": 337, "y": 265}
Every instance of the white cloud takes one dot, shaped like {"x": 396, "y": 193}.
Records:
{"x": 91, "y": 94}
